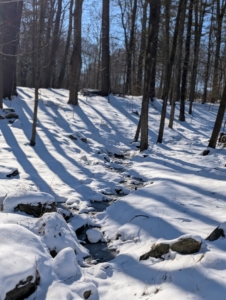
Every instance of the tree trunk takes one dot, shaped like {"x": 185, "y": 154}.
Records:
{"x": 199, "y": 18}
{"x": 168, "y": 74}
{"x": 65, "y": 57}
{"x": 176, "y": 94}
{"x": 2, "y": 7}
{"x": 185, "y": 66}
{"x": 12, "y": 17}
{"x": 76, "y": 57}
{"x": 154, "y": 18}
{"x": 129, "y": 50}
{"x": 221, "y": 6}
{"x": 206, "y": 79}
{"x": 38, "y": 70}
{"x": 142, "y": 50}
{"x": 218, "y": 122}
{"x": 105, "y": 72}
{"x": 54, "y": 46}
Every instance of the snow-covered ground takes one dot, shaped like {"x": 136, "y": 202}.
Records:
{"x": 178, "y": 191}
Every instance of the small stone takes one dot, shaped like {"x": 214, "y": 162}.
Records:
{"x": 205, "y": 152}
{"x": 84, "y": 140}
{"x": 14, "y": 173}
{"x": 72, "y": 137}
{"x": 8, "y": 110}
{"x": 12, "y": 115}
{"x": 87, "y": 294}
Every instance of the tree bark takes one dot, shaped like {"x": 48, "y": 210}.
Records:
{"x": 199, "y": 18}
{"x": 54, "y": 46}
{"x": 221, "y": 6}
{"x": 67, "y": 47}
{"x": 105, "y": 71}
{"x": 154, "y": 18}
{"x": 206, "y": 79}
{"x": 38, "y": 70}
{"x": 176, "y": 93}
{"x": 168, "y": 74}
{"x": 218, "y": 122}
{"x": 76, "y": 57}
{"x": 12, "y": 18}
{"x": 142, "y": 50}
{"x": 186, "y": 63}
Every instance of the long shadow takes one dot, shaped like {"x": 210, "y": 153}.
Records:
{"x": 191, "y": 280}
{"x": 182, "y": 170}
{"x": 21, "y": 92}
{"x": 58, "y": 149}
{"x": 23, "y": 160}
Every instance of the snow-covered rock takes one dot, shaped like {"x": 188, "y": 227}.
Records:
{"x": 22, "y": 260}
{"x": 65, "y": 265}
{"x": 32, "y": 203}
{"x": 94, "y": 235}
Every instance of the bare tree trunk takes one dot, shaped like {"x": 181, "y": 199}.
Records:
{"x": 166, "y": 43}
{"x": 185, "y": 66}
{"x": 12, "y": 17}
{"x": 199, "y": 18}
{"x": 2, "y": 8}
{"x": 154, "y": 18}
{"x": 168, "y": 74}
{"x": 105, "y": 72}
{"x": 204, "y": 97}
{"x": 76, "y": 57}
{"x": 221, "y": 6}
{"x": 142, "y": 50}
{"x": 54, "y": 46}
{"x": 176, "y": 94}
{"x": 38, "y": 70}
{"x": 65, "y": 57}
{"x": 218, "y": 122}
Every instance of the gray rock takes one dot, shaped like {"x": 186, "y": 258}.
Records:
{"x": 157, "y": 250}
{"x": 11, "y": 115}
{"x": 8, "y": 110}
{"x": 24, "y": 288}
{"x": 36, "y": 211}
{"x": 216, "y": 234}
{"x": 186, "y": 246}
{"x": 72, "y": 137}
{"x": 87, "y": 294}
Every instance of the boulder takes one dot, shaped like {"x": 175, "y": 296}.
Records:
{"x": 36, "y": 210}
{"x": 24, "y": 288}
{"x": 157, "y": 250}
{"x": 186, "y": 246}
{"x": 32, "y": 203}
{"x": 216, "y": 234}
{"x": 183, "y": 245}
{"x": 11, "y": 115}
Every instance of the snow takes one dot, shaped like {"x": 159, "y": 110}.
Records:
{"x": 15, "y": 242}
{"x": 65, "y": 265}
{"x": 94, "y": 235}
{"x": 12, "y": 200}
{"x": 179, "y": 193}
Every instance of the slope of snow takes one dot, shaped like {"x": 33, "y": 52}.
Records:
{"x": 179, "y": 192}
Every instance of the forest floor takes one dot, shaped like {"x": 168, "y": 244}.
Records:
{"x": 132, "y": 198}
